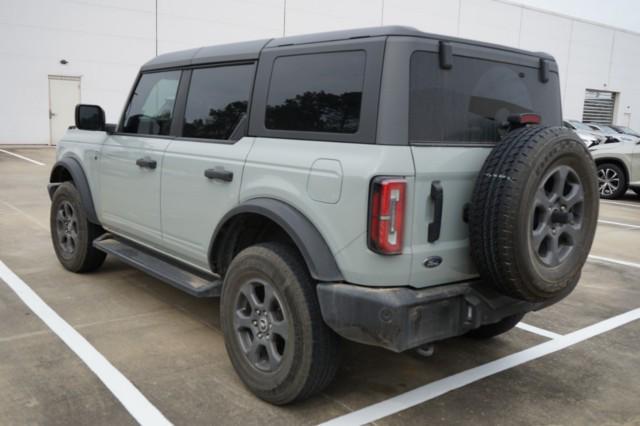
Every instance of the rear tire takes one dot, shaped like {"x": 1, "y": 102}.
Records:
{"x": 71, "y": 232}
{"x": 491, "y": 330}
{"x": 612, "y": 182}
{"x": 273, "y": 330}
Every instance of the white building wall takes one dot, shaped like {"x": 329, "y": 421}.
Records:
{"x": 106, "y": 41}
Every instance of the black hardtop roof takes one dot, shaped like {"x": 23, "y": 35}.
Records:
{"x": 250, "y": 50}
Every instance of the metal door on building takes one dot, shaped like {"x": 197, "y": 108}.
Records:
{"x": 64, "y": 95}
{"x": 599, "y": 106}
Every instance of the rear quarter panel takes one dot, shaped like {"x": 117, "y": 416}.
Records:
{"x": 290, "y": 171}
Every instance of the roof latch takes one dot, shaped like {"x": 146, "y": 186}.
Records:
{"x": 446, "y": 55}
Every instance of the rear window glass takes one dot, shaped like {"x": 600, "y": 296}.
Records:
{"x": 471, "y": 101}
{"x": 316, "y": 92}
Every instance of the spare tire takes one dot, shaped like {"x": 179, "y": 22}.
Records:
{"x": 534, "y": 212}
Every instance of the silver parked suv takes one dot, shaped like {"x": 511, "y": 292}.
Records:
{"x": 382, "y": 185}
{"x": 618, "y": 166}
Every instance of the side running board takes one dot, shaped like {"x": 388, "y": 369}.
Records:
{"x": 194, "y": 282}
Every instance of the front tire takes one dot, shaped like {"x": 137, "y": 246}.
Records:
{"x": 273, "y": 330}
{"x": 71, "y": 232}
{"x": 612, "y": 182}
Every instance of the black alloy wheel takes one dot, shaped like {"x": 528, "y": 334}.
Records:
{"x": 557, "y": 216}
{"x": 261, "y": 324}
{"x": 67, "y": 228}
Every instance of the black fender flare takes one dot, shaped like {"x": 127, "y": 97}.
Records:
{"x": 314, "y": 249}
{"x": 75, "y": 170}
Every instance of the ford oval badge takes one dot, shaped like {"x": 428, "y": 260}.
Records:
{"x": 432, "y": 261}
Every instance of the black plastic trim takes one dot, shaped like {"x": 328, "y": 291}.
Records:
{"x": 79, "y": 180}
{"x": 445, "y": 55}
{"x": 401, "y": 318}
{"x": 437, "y": 196}
{"x": 100, "y": 112}
{"x": 159, "y": 266}
{"x": 180, "y": 106}
{"x": 314, "y": 249}
{"x": 544, "y": 70}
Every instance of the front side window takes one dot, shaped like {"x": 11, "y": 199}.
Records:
{"x": 472, "y": 101}
{"x": 150, "y": 109}
{"x": 316, "y": 92}
{"x": 217, "y": 101}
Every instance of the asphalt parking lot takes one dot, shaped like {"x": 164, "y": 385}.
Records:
{"x": 569, "y": 364}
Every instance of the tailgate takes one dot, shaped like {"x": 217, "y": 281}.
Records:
{"x": 454, "y": 170}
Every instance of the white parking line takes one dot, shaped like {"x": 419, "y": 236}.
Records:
{"x": 537, "y": 330}
{"x": 133, "y": 400}
{"x": 25, "y": 214}
{"x": 442, "y": 386}
{"x": 616, "y": 261}
{"x": 23, "y": 157}
{"x": 626, "y": 225}
{"x": 618, "y": 203}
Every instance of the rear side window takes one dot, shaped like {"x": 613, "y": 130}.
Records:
{"x": 471, "y": 101}
{"x": 217, "y": 101}
{"x": 150, "y": 109}
{"x": 316, "y": 92}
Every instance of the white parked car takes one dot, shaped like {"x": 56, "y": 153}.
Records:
{"x": 610, "y": 132}
{"x": 625, "y": 130}
{"x": 589, "y": 136}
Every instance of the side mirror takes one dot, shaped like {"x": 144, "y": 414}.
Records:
{"x": 90, "y": 117}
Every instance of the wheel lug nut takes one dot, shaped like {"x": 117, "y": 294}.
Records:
{"x": 258, "y": 311}
{"x": 255, "y": 322}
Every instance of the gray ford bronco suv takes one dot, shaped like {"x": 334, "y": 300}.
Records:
{"x": 381, "y": 185}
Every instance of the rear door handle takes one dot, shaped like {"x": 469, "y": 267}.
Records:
{"x": 219, "y": 173}
{"x": 146, "y": 163}
{"x": 437, "y": 198}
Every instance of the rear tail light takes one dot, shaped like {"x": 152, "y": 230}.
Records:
{"x": 386, "y": 214}
{"x": 518, "y": 120}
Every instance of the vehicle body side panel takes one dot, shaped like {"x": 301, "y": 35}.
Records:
{"x": 635, "y": 165}
{"x": 627, "y": 153}
{"x": 130, "y": 195}
{"x": 281, "y": 169}
{"x": 193, "y": 205}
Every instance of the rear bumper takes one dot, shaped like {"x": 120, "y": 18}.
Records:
{"x": 401, "y": 318}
